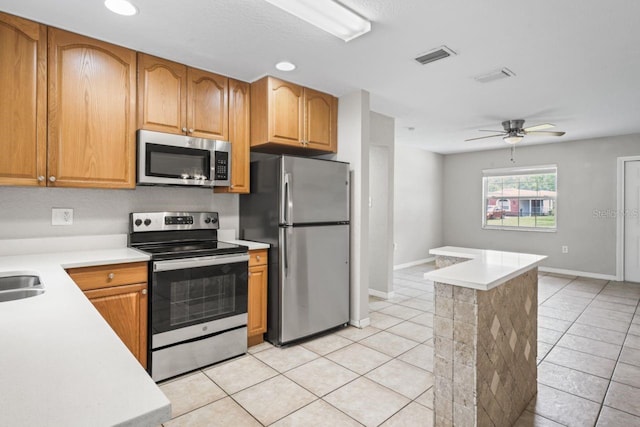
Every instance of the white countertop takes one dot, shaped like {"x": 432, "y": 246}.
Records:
{"x": 485, "y": 269}
{"x": 60, "y": 362}
{"x": 250, "y": 244}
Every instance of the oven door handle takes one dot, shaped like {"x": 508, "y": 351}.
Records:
{"x": 181, "y": 264}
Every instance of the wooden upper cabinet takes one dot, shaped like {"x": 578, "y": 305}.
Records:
{"x": 207, "y": 110}
{"x": 23, "y": 103}
{"x": 92, "y": 104}
{"x": 178, "y": 99}
{"x": 162, "y": 95}
{"x": 286, "y": 117}
{"x": 320, "y": 120}
{"x": 285, "y": 112}
{"x": 239, "y": 135}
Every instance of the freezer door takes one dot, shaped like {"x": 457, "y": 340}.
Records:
{"x": 313, "y": 191}
{"x": 314, "y": 279}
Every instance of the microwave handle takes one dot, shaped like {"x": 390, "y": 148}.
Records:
{"x": 182, "y": 264}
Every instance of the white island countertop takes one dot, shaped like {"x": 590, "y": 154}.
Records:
{"x": 60, "y": 362}
{"x": 485, "y": 269}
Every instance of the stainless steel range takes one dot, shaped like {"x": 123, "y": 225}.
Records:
{"x": 198, "y": 291}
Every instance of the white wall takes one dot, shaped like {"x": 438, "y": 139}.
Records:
{"x": 586, "y": 184}
{"x": 381, "y": 206}
{"x": 353, "y": 147}
{"x": 418, "y": 203}
{"x": 25, "y": 212}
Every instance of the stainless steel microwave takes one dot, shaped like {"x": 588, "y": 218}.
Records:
{"x": 168, "y": 159}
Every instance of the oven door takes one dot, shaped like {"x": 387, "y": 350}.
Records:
{"x": 195, "y": 297}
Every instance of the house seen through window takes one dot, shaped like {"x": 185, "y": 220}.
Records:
{"x": 520, "y": 198}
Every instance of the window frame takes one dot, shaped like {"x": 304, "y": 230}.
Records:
{"x": 514, "y": 171}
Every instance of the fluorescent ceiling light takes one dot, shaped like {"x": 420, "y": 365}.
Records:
{"x": 327, "y": 15}
{"x": 285, "y": 66}
{"x": 121, "y": 7}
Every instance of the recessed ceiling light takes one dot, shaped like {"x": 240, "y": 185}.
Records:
{"x": 285, "y": 66}
{"x": 328, "y": 15}
{"x": 121, "y": 7}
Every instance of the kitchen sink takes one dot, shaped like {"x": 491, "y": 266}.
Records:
{"x": 15, "y": 286}
{"x": 18, "y": 281}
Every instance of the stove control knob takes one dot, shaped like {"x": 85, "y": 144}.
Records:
{"x": 207, "y": 221}
{"x": 214, "y": 220}
{"x": 147, "y": 222}
{"x": 138, "y": 222}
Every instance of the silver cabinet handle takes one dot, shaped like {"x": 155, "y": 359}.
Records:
{"x": 41, "y": 178}
{"x": 110, "y": 276}
{"x": 184, "y": 130}
{"x": 144, "y": 292}
{"x": 190, "y": 130}
{"x": 257, "y": 257}
{"x": 52, "y": 178}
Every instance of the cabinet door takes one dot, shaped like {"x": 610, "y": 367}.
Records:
{"x": 257, "y": 301}
{"x": 92, "y": 89}
{"x": 239, "y": 135}
{"x": 320, "y": 120}
{"x": 23, "y": 115}
{"x": 162, "y": 95}
{"x": 125, "y": 310}
{"x": 207, "y": 108}
{"x": 286, "y": 119}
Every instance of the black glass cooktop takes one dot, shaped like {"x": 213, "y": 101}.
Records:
{"x": 190, "y": 249}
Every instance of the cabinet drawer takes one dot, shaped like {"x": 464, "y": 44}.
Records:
{"x": 102, "y": 276}
{"x": 257, "y": 257}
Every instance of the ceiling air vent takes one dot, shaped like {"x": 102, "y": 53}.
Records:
{"x": 495, "y": 75}
{"x": 435, "y": 55}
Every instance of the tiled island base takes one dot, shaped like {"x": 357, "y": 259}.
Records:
{"x": 485, "y": 351}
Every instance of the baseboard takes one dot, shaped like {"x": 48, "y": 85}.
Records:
{"x": 363, "y": 323}
{"x": 414, "y": 263}
{"x": 380, "y": 294}
{"x": 578, "y": 273}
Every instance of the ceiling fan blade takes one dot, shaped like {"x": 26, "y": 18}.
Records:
{"x": 483, "y": 137}
{"x": 485, "y": 130}
{"x": 539, "y": 127}
{"x": 550, "y": 133}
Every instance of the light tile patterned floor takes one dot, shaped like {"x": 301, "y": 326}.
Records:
{"x": 588, "y": 371}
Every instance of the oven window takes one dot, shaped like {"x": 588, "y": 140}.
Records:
{"x": 190, "y": 296}
{"x": 175, "y": 162}
{"x": 201, "y": 299}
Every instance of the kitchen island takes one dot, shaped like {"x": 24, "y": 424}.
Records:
{"x": 62, "y": 364}
{"x": 485, "y": 335}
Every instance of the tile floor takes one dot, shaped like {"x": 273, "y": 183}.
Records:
{"x": 588, "y": 372}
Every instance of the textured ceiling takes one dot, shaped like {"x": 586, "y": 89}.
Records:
{"x": 577, "y": 62}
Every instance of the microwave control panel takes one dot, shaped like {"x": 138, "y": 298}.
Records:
{"x": 221, "y": 166}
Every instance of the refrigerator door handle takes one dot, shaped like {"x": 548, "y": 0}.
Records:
{"x": 286, "y": 251}
{"x": 288, "y": 203}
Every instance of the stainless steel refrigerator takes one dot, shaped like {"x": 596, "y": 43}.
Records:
{"x": 301, "y": 207}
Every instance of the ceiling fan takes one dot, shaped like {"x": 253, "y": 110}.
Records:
{"x": 514, "y": 131}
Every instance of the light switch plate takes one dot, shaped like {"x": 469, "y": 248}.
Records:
{"x": 61, "y": 216}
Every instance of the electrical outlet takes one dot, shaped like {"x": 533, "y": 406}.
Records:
{"x": 565, "y": 249}
{"x": 61, "y": 216}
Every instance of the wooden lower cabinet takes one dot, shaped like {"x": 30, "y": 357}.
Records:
{"x": 119, "y": 293}
{"x": 257, "y": 297}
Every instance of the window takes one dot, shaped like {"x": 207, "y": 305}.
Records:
{"x": 520, "y": 198}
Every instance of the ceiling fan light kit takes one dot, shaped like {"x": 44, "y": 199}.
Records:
{"x": 513, "y": 138}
